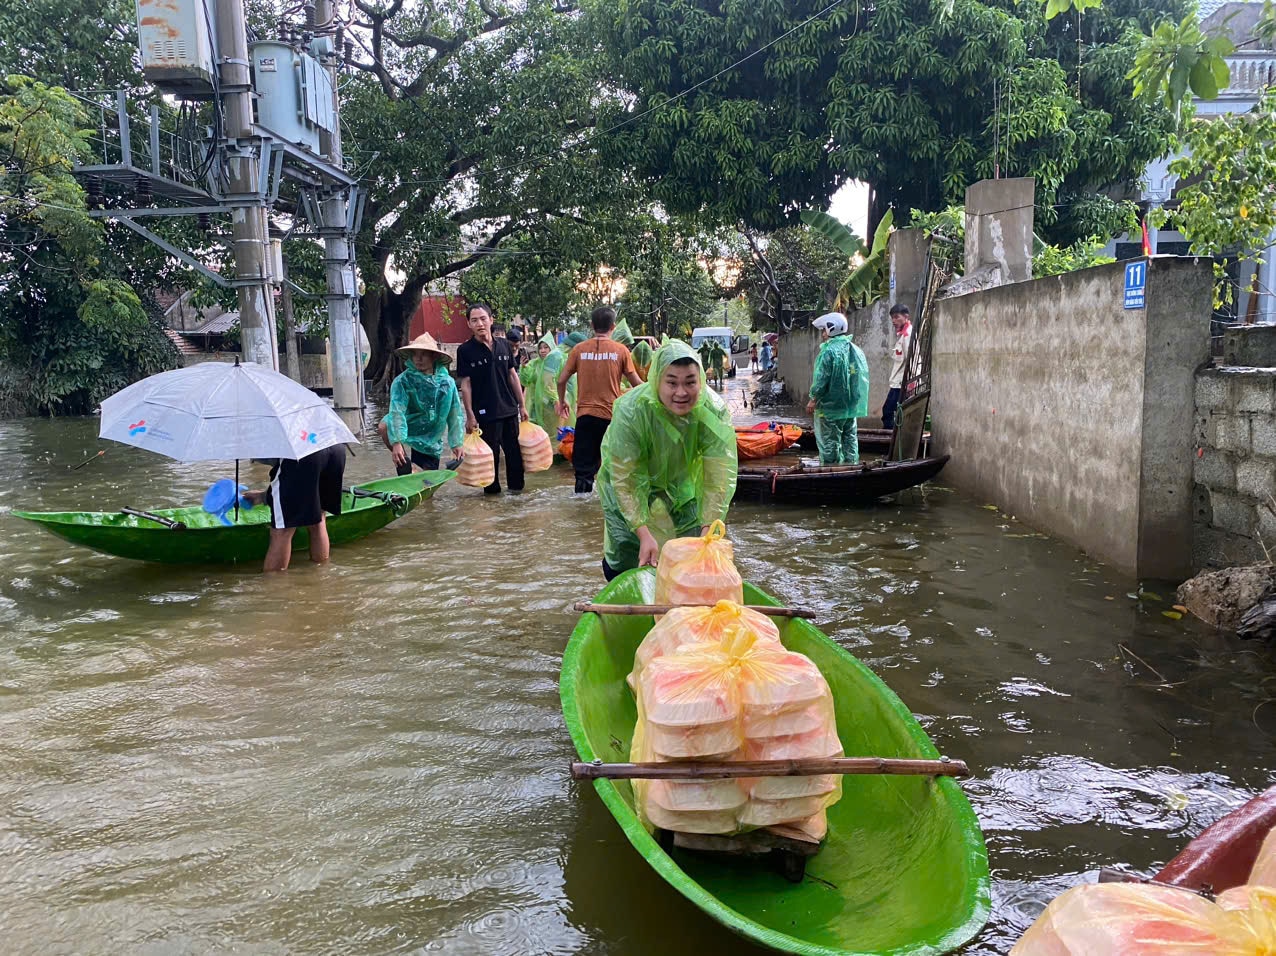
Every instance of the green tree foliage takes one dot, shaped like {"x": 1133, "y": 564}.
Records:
{"x": 917, "y": 102}
{"x": 668, "y": 291}
{"x": 1177, "y": 56}
{"x": 946, "y": 230}
{"x": 71, "y": 333}
{"x": 482, "y": 115}
{"x": 793, "y": 268}
{"x": 1228, "y": 206}
{"x": 1053, "y": 260}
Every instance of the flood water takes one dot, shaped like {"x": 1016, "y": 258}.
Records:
{"x": 369, "y": 757}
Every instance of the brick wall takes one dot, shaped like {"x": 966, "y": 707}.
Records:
{"x": 1235, "y": 467}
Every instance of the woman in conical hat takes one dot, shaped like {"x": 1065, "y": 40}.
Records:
{"x": 425, "y": 413}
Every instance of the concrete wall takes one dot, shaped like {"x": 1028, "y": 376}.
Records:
{"x": 1235, "y": 466}
{"x": 315, "y": 370}
{"x": 1074, "y": 413}
{"x": 869, "y": 327}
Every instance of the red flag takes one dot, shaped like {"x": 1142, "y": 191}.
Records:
{"x": 1147, "y": 242}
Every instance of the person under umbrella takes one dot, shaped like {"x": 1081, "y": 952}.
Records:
{"x": 217, "y": 411}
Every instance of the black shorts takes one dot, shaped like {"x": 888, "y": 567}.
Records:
{"x": 302, "y": 490}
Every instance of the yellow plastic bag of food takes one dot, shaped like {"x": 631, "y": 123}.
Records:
{"x": 533, "y": 442}
{"x": 699, "y": 625}
{"x": 478, "y": 467}
{"x": 723, "y": 700}
{"x": 1148, "y": 919}
{"x": 699, "y": 570}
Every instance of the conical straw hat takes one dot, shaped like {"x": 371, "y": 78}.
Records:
{"x": 425, "y": 343}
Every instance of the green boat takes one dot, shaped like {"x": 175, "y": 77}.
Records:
{"x": 903, "y": 870}
{"x": 365, "y": 508}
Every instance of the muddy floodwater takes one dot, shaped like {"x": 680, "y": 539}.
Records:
{"x": 369, "y": 757}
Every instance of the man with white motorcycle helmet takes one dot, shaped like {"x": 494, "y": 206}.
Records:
{"x": 839, "y": 392}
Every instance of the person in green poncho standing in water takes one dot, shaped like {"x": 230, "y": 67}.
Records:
{"x": 669, "y": 461}
{"x": 425, "y": 409}
{"x": 839, "y": 392}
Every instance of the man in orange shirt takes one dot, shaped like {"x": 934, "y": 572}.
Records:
{"x": 599, "y": 364}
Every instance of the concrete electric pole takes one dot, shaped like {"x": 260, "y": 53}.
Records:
{"x": 249, "y": 234}
{"x": 338, "y": 258}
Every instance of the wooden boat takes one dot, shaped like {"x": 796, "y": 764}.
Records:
{"x": 203, "y": 539}
{"x": 765, "y": 440}
{"x": 1223, "y": 855}
{"x": 903, "y": 870}
{"x": 871, "y": 439}
{"x": 834, "y": 484}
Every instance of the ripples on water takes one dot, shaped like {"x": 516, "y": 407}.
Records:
{"x": 370, "y": 757}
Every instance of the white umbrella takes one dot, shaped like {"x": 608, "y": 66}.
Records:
{"x": 216, "y": 410}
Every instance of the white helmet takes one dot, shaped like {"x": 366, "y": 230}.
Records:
{"x": 835, "y": 322}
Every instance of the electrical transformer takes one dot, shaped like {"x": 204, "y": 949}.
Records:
{"x": 294, "y": 94}
{"x": 177, "y": 42}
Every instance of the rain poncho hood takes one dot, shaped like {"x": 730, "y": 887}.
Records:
{"x": 672, "y": 473}
{"x": 840, "y": 383}
{"x": 425, "y": 411}
{"x": 622, "y": 334}
{"x": 540, "y": 385}
{"x": 642, "y": 356}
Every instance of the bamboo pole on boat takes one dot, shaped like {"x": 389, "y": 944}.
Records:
{"x": 719, "y": 770}
{"x": 635, "y": 609}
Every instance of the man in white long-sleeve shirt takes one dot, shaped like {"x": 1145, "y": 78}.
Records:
{"x": 901, "y": 319}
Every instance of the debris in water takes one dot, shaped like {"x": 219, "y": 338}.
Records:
{"x": 1172, "y": 615}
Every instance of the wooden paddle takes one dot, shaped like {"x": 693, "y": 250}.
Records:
{"x": 719, "y": 770}
{"x": 590, "y": 607}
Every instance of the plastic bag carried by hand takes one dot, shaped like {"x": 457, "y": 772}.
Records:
{"x": 533, "y": 442}
{"x": 699, "y": 625}
{"x": 478, "y": 467}
{"x": 699, "y": 570}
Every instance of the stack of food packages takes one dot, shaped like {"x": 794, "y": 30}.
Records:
{"x": 699, "y": 570}
{"x": 1151, "y": 919}
{"x": 714, "y": 683}
{"x": 533, "y": 442}
{"x": 478, "y": 467}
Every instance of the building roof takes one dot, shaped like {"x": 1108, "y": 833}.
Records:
{"x": 1236, "y": 18}
{"x": 217, "y": 325}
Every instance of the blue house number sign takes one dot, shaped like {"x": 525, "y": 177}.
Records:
{"x": 1136, "y": 281}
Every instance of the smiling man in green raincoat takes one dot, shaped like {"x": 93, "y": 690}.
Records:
{"x": 839, "y": 392}
{"x": 669, "y": 461}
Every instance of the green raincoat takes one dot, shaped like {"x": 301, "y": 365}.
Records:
{"x": 641, "y": 354}
{"x": 622, "y": 334}
{"x": 540, "y": 387}
{"x": 840, "y": 391}
{"x": 672, "y": 473}
{"x": 425, "y": 411}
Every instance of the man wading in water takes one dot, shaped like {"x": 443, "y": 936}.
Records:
{"x": 492, "y": 396}
{"x": 599, "y": 365}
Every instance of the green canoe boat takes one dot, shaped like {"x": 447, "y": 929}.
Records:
{"x": 904, "y": 869}
{"x": 205, "y": 540}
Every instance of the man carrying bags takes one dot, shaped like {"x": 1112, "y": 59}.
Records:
{"x": 839, "y": 392}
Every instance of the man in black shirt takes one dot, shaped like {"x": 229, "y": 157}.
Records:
{"x": 492, "y": 395}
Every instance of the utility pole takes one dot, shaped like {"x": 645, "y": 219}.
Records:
{"x": 290, "y": 327}
{"x": 249, "y": 235}
{"x": 338, "y": 261}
